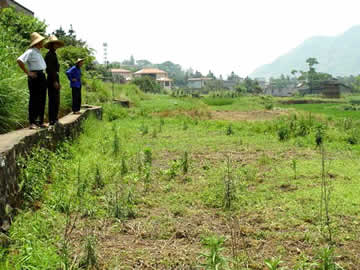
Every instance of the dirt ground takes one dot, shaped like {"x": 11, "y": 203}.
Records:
{"x": 248, "y": 116}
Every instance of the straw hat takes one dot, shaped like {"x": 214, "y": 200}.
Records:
{"x": 54, "y": 40}
{"x": 79, "y": 60}
{"x": 35, "y": 38}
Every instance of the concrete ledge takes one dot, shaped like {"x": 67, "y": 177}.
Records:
{"x": 20, "y": 142}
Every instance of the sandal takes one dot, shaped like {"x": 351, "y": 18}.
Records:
{"x": 33, "y": 126}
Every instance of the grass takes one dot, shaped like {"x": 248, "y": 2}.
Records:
{"x": 157, "y": 212}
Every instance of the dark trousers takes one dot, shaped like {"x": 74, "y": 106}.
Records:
{"x": 54, "y": 101}
{"x": 37, "y": 88}
{"x": 76, "y": 99}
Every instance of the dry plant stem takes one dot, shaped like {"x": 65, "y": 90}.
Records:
{"x": 325, "y": 199}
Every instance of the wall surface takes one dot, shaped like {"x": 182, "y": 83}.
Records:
{"x": 21, "y": 142}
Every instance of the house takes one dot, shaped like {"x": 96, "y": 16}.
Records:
{"x": 121, "y": 75}
{"x": 329, "y": 89}
{"x": 197, "y": 83}
{"x": 286, "y": 91}
{"x": 16, "y": 5}
{"x": 157, "y": 74}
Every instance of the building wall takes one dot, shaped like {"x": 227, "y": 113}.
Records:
{"x": 195, "y": 84}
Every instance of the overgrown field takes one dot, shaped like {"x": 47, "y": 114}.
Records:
{"x": 178, "y": 183}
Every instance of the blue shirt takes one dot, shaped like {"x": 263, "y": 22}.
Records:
{"x": 74, "y": 73}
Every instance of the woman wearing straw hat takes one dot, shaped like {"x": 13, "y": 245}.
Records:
{"x": 74, "y": 75}
{"x": 36, "y": 79}
{"x": 53, "y": 82}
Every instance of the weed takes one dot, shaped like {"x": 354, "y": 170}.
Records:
{"x": 319, "y": 135}
{"x": 273, "y": 264}
{"x": 229, "y": 130}
{"x": 214, "y": 259}
{"x": 353, "y": 137}
{"x": 284, "y": 133}
{"x": 185, "y": 163}
{"x": 325, "y": 200}
{"x": 326, "y": 256}
{"x": 124, "y": 169}
{"x": 121, "y": 206}
{"x": 229, "y": 186}
{"x": 116, "y": 144}
{"x": 144, "y": 129}
{"x": 89, "y": 259}
{"x": 154, "y": 133}
{"x": 148, "y": 157}
{"x": 303, "y": 128}
{"x": 269, "y": 106}
{"x": 294, "y": 167}
{"x": 99, "y": 182}
{"x": 185, "y": 126}
{"x": 162, "y": 123}
{"x": 172, "y": 172}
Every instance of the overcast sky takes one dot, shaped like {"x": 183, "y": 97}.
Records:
{"x": 221, "y": 36}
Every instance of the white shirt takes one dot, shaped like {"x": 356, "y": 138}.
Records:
{"x": 33, "y": 58}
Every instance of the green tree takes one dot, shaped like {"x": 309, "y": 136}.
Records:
{"x": 69, "y": 38}
{"x": 147, "y": 84}
{"x": 20, "y": 26}
{"x": 211, "y": 75}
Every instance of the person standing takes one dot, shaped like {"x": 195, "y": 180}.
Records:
{"x": 53, "y": 82}
{"x": 74, "y": 75}
{"x": 36, "y": 79}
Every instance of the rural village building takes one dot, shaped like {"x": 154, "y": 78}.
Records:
{"x": 329, "y": 89}
{"x": 197, "y": 83}
{"x": 157, "y": 74}
{"x": 17, "y": 6}
{"x": 121, "y": 75}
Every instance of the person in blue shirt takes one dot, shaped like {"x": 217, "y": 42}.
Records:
{"x": 74, "y": 76}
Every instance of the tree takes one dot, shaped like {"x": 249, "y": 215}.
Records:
{"x": 233, "y": 77}
{"x": 132, "y": 60}
{"x": 147, "y": 84}
{"x": 20, "y": 26}
{"x": 69, "y": 38}
{"x": 198, "y": 74}
{"x": 211, "y": 75}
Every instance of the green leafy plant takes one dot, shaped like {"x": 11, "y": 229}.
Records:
{"x": 214, "y": 260}
{"x": 284, "y": 133}
{"x": 326, "y": 256}
{"x": 273, "y": 264}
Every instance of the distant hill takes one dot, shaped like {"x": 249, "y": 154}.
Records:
{"x": 339, "y": 56}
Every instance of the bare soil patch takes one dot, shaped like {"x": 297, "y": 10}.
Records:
{"x": 248, "y": 116}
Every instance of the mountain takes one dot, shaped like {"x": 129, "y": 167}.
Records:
{"x": 339, "y": 56}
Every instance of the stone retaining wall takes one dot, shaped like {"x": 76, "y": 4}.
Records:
{"x": 20, "y": 142}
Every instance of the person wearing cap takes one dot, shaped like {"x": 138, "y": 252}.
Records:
{"x": 74, "y": 76}
{"x": 53, "y": 82}
{"x": 36, "y": 79}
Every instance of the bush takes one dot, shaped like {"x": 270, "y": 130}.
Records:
{"x": 147, "y": 84}
{"x": 284, "y": 133}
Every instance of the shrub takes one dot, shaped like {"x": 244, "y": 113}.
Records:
{"x": 147, "y": 84}
{"x": 284, "y": 133}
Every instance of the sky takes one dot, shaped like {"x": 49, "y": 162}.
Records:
{"x": 221, "y": 36}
